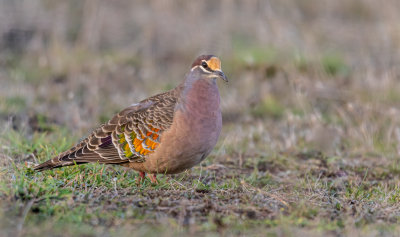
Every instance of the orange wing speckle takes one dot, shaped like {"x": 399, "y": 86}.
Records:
{"x": 136, "y": 142}
{"x": 141, "y": 144}
{"x": 148, "y": 142}
{"x": 138, "y": 148}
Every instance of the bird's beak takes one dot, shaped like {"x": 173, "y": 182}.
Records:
{"x": 221, "y": 75}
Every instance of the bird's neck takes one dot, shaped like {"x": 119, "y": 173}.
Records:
{"x": 201, "y": 97}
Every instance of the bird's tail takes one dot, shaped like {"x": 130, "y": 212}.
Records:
{"x": 48, "y": 165}
{"x": 53, "y": 163}
{"x": 105, "y": 153}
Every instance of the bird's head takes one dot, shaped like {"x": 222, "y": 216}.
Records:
{"x": 210, "y": 66}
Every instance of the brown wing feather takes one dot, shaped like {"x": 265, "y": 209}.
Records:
{"x": 129, "y": 136}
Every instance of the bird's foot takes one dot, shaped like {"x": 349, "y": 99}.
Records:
{"x": 140, "y": 179}
{"x": 153, "y": 178}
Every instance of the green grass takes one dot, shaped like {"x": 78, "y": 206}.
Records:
{"x": 93, "y": 199}
{"x": 334, "y": 64}
{"x": 13, "y": 104}
{"x": 269, "y": 106}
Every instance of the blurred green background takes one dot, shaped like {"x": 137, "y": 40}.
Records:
{"x": 76, "y": 62}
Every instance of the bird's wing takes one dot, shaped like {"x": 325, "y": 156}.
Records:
{"x": 129, "y": 136}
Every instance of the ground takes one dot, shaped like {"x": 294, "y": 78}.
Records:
{"x": 311, "y": 119}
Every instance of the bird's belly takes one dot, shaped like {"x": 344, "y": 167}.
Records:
{"x": 184, "y": 145}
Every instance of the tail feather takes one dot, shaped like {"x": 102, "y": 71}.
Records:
{"x": 45, "y": 166}
{"x": 55, "y": 163}
{"x": 82, "y": 156}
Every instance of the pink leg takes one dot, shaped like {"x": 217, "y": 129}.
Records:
{"x": 140, "y": 178}
{"x": 153, "y": 178}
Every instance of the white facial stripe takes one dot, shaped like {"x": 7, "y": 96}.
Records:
{"x": 202, "y": 68}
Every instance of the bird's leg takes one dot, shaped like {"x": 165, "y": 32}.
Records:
{"x": 140, "y": 178}
{"x": 153, "y": 178}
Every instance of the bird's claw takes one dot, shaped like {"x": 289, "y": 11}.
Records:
{"x": 152, "y": 177}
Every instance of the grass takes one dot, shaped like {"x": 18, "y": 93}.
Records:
{"x": 333, "y": 64}
{"x": 269, "y": 106}
{"x": 277, "y": 193}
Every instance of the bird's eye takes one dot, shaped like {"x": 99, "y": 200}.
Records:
{"x": 204, "y": 64}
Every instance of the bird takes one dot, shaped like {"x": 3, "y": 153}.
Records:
{"x": 167, "y": 133}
